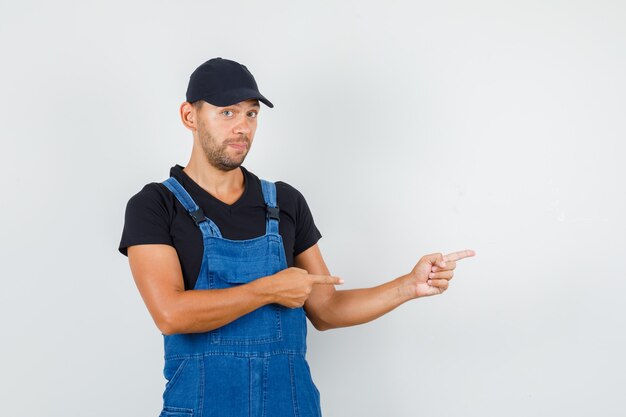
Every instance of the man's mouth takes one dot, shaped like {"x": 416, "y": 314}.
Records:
{"x": 238, "y": 145}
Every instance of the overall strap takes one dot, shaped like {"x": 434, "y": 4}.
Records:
{"x": 271, "y": 208}
{"x": 206, "y": 225}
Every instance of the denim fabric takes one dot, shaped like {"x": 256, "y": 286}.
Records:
{"x": 254, "y": 366}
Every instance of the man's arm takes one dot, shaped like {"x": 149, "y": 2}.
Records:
{"x": 328, "y": 308}
{"x": 158, "y": 276}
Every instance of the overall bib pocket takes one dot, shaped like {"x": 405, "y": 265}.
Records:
{"x": 262, "y": 325}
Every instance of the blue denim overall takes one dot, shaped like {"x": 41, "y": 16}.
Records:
{"x": 254, "y": 366}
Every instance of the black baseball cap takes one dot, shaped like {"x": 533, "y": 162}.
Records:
{"x": 223, "y": 82}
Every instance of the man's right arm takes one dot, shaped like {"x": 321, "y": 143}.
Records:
{"x": 158, "y": 276}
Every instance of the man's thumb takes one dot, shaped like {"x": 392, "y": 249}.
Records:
{"x": 437, "y": 259}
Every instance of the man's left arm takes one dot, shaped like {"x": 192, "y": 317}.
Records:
{"x": 328, "y": 308}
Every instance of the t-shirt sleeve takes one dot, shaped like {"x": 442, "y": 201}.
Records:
{"x": 307, "y": 233}
{"x": 146, "y": 220}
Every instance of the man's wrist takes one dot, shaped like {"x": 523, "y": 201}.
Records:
{"x": 262, "y": 288}
{"x": 405, "y": 288}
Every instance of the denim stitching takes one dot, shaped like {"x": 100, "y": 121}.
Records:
{"x": 238, "y": 354}
{"x": 296, "y": 409}
{"x": 265, "y": 367}
{"x": 201, "y": 393}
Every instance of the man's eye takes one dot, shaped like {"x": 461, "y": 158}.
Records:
{"x": 252, "y": 114}
{"x": 227, "y": 113}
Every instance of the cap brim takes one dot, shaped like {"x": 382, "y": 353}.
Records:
{"x": 236, "y": 96}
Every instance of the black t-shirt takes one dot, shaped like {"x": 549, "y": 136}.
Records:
{"x": 154, "y": 215}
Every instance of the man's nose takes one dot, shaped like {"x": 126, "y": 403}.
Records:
{"x": 243, "y": 126}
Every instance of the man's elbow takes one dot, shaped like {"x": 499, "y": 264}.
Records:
{"x": 167, "y": 323}
{"x": 321, "y": 325}
{"x": 318, "y": 316}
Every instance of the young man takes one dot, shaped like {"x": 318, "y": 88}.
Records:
{"x": 229, "y": 267}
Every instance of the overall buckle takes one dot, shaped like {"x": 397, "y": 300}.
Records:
{"x": 197, "y": 216}
{"x": 272, "y": 212}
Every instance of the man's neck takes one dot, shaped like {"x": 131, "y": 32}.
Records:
{"x": 226, "y": 186}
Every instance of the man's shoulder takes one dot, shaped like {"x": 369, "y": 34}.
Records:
{"x": 150, "y": 190}
{"x": 288, "y": 189}
{"x": 151, "y": 194}
{"x": 290, "y": 198}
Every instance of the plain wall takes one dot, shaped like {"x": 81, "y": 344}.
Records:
{"x": 410, "y": 128}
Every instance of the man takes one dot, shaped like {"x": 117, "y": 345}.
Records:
{"x": 229, "y": 267}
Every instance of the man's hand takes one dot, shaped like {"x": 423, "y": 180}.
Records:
{"x": 433, "y": 272}
{"x": 292, "y": 286}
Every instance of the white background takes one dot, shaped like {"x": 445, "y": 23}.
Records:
{"x": 410, "y": 128}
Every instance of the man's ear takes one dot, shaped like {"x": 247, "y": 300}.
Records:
{"x": 188, "y": 115}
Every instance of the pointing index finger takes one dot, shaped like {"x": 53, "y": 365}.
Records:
{"x": 325, "y": 279}
{"x": 455, "y": 256}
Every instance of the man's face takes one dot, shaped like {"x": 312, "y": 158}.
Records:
{"x": 226, "y": 133}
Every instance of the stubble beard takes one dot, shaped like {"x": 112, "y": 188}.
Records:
{"x": 218, "y": 155}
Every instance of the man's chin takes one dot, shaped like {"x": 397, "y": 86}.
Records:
{"x": 229, "y": 166}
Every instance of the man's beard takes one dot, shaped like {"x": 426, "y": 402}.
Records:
{"x": 218, "y": 156}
